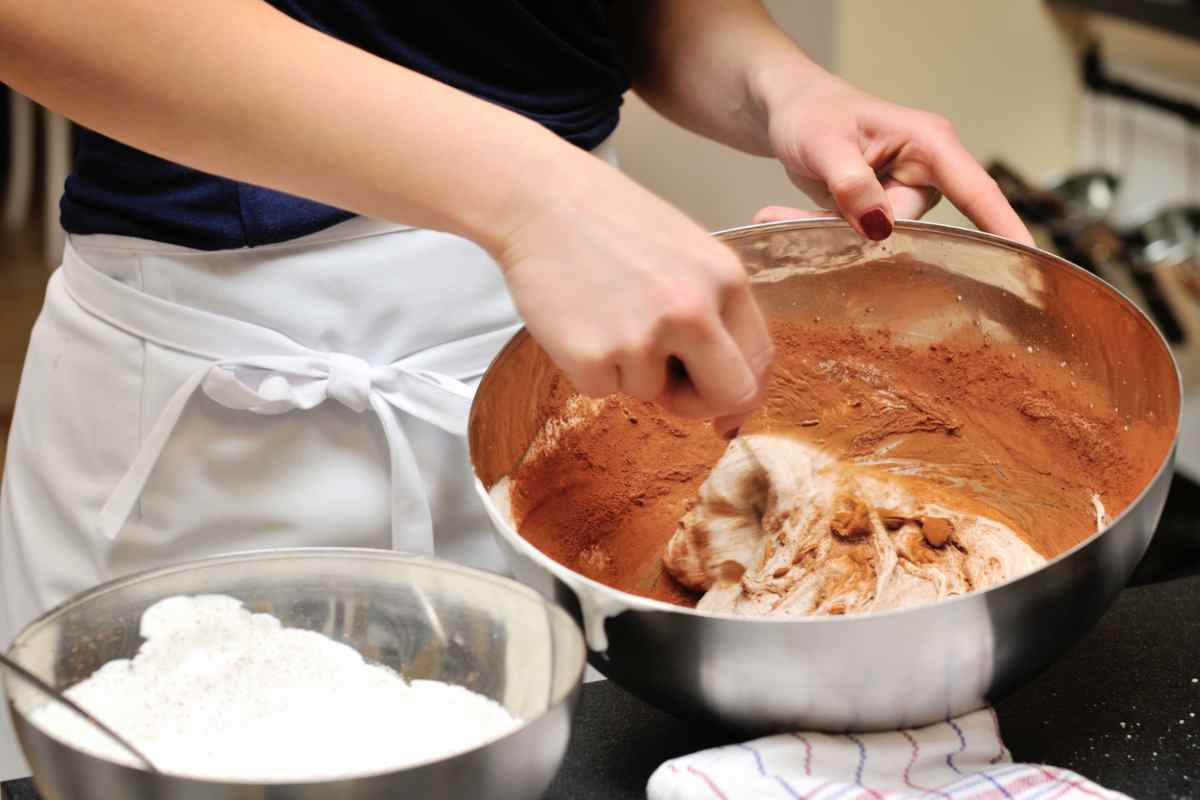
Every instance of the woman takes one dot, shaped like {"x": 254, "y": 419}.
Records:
{"x": 221, "y": 365}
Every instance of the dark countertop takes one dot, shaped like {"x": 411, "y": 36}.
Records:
{"x": 1117, "y": 708}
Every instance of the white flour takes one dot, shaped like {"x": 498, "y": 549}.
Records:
{"x": 220, "y": 693}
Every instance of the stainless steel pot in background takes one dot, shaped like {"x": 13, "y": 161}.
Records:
{"x": 895, "y": 669}
{"x": 1166, "y": 247}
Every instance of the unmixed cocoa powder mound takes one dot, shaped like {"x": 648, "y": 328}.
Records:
{"x": 1016, "y": 435}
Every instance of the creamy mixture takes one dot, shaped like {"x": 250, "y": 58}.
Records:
{"x": 220, "y": 693}
{"x": 782, "y": 528}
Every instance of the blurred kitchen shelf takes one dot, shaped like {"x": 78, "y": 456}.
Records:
{"x": 1180, "y": 17}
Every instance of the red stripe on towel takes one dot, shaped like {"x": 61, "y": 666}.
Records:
{"x": 807, "y": 753}
{"x": 711, "y": 784}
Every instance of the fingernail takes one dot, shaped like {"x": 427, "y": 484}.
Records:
{"x": 731, "y": 434}
{"x": 876, "y": 225}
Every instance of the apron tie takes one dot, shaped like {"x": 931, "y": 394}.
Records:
{"x": 350, "y": 381}
{"x": 286, "y": 377}
{"x": 279, "y": 384}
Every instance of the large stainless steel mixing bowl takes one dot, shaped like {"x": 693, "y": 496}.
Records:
{"x": 885, "y": 670}
{"x": 423, "y": 617}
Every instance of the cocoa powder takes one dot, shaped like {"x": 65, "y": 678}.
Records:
{"x": 1020, "y": 436}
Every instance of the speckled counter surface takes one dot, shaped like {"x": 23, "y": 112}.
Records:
{"x": 1122, "y": 707}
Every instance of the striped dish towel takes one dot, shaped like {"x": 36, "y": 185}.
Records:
{"x": 960, "y": 759}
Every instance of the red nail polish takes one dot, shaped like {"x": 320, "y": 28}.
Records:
{"x": 731, "y": 434}
{"x": 876, "y": 225}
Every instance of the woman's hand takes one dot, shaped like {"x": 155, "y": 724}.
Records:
{"x": 732, "y": 75}
{"x": 872, "y": 161}
{"x": 621, "y": 289}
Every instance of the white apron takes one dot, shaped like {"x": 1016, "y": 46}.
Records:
{"x": 177, "y": 404}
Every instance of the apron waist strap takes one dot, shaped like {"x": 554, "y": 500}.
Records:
{"x": 256, "y": 369}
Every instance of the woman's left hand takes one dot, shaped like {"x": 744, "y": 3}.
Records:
{"x": 874, "y": 162}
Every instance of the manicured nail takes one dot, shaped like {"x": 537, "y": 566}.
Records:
{"x": 731, "y": 434}
{"x": 876, "y": 225}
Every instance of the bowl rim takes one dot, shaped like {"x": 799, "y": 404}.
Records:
{"x": 287, "y": 553}
{"x": 645, "y": 604}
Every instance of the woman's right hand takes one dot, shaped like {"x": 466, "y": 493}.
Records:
{"x": 611, "y": 280}
{"x": 620, "y": 288}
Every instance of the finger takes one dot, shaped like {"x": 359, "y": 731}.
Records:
{"x": 781, "y": 213}
{"x": 968, "y": 186}
{"x": 816, "y": 191}
{"x": 860, "y": 198}
{"x": 712, "y": 379}
{"x": 595, "y": 379}
{"x": 910, "y": 202}
{"x": 644, "y": 376}
{"x": 730, "y": 426}
{"x": 747, "y": 326}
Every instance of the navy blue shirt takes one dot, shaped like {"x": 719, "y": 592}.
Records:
{"x": 553, "y": 61}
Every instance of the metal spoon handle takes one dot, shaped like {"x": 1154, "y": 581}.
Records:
{"x": 59, "y": 697}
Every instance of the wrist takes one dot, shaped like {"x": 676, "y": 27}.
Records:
{"x": 542, "y": 185}
{"x": 780, "y": 80}
{"x": 534, "y": 171}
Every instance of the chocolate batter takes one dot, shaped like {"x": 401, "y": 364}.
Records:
{"x": 1017, "y": 435}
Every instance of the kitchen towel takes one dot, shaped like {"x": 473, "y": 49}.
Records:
{"x": 960, "y": 759}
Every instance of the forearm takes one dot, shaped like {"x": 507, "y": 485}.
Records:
{"x": 238, "y": 89}
{"x": 715, "y": 68}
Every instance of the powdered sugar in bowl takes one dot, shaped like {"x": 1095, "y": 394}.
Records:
{"x": 476, "y": 645}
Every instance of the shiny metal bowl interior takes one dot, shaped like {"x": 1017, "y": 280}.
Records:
{"x": 423, "y": 617}
{"x": 901, "y": 668}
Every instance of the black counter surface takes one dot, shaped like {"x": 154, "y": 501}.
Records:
{"x": 1122, "y": 707}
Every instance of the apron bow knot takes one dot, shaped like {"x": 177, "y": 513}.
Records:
{"x": 278, "y": 384}
{"x": 350, "y": 380}
{"x": 272, "y": 374}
